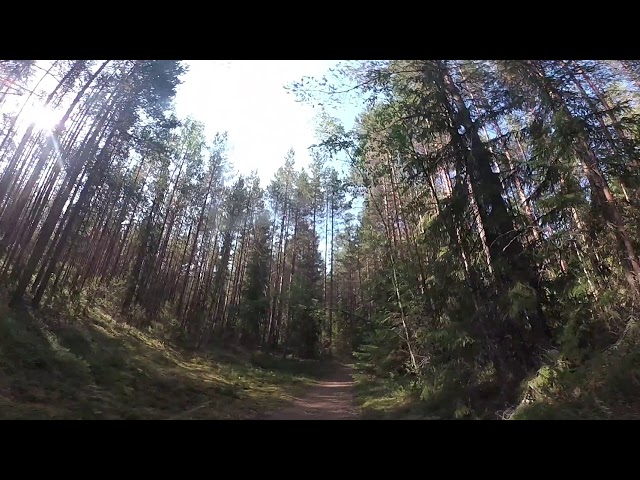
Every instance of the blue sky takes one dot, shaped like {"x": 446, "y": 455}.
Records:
{"x": 247, "y": 99}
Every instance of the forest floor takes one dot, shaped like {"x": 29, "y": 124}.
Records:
{"x": 90, "y": 366}
{"x": 605, "y": 387}
{"x": 331, "y": 399}
{"x": 387, "y": 399}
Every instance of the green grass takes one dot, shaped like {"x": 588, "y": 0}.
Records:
{"x": 386, "y": 398}
{"x": 396, "y": 399}
{"x": 93, "y": 367}
{"x": 381, "y": 399}
{"x": 400, "y": 397}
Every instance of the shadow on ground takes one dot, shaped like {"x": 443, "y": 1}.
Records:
{"x": 95, "y": 368}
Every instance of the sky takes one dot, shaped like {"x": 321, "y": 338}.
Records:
{"x": 247, "y": 99}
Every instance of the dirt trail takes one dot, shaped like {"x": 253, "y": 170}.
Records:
{"x": 332, "y": 399}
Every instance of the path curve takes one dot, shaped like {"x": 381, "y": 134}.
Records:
{"x": 332, "y": 399}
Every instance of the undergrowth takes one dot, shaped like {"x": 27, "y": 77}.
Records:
{"x": 604, "y": 387}
{"x": 86, "y": 365}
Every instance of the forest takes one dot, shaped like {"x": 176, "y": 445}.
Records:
{"x": 476, "y": 259}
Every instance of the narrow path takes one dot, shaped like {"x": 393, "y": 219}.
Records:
{"x": 332, "y": 399}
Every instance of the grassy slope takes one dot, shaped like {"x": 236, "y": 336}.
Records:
{"x": 95, "y": 368}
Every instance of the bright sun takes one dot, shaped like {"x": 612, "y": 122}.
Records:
{"x": 41, "y": 116}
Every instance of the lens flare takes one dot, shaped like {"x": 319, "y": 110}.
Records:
{"x": 41, "y": 117}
